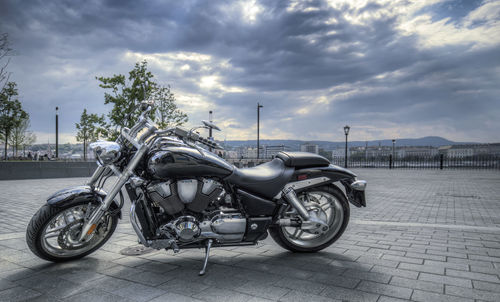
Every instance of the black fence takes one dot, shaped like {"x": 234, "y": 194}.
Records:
{"x": 423, "y": 162}
{"x": 414, "y": 162}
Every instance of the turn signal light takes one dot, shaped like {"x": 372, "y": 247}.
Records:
{"x": 92, "y": 228}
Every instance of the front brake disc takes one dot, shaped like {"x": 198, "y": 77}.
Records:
{"x": 67, "y": 238}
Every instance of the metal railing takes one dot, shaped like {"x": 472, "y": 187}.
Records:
{"x": 424, "y": 162}
{"x": 388, "y": 162}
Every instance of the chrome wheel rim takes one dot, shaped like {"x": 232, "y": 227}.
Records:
{"x": 327, "y": 208}
{"x": 60, "y": 235}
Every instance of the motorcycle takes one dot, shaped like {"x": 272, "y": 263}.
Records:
{"x": 184, "y": 196}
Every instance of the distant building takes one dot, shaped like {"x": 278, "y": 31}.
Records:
{"x": 311, "y": 148}
{"x": 340, "y": 153}
{"x": 416, "y": 151}
{"x": 271, "y": 151}
{"x": 489, "y": 149}
{"x": 231, "y": 154}
{"x": 251, "y": 152}
{"x": 444, "y": 150}
{"x": 456, "y": 151}
{"x": 378, "y": 151}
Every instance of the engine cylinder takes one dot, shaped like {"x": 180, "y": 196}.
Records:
{"x": 190, "y": 194}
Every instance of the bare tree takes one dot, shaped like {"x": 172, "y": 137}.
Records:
{"x": 20, "y": 136}
{"x": 5, "y": 52}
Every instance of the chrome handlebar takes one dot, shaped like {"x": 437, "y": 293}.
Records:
{"x": 144, "y": 122}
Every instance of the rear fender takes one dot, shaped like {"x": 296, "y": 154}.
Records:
{"x": 304, "y": 179}
{"x": 77, "y": 194}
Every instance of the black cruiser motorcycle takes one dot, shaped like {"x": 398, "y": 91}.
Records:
{"x": 184, "y": 196}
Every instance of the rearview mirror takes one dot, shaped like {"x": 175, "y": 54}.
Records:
{"x": 210, "y": 125}
{"x": 146, "y": 103}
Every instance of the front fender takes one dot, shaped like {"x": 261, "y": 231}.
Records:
{"x": 77, "y": 194}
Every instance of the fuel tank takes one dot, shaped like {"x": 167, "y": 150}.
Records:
{"x": 182, "y": 162}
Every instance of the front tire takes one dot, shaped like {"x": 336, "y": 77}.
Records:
{"x": 328, "y": 200}
{"x": 52, "y": 232}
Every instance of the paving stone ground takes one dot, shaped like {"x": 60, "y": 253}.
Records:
{"x": 426, "y": 235}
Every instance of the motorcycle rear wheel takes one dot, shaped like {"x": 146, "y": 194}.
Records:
{"x": 53, "y": 231}
{"x": 332, "y": 206}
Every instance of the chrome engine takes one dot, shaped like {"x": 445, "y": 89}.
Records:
{"x": 198, "y": 208}
{"x": 186, "y": 228}
{"x": 223, "y": 227}
{"x": 187, "y": 194}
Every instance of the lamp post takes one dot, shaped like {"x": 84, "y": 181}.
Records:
{"x": 346, "y": 132}
{"x": 393, "y": 148}
{"x": 57, "y": 132}
{"x": 210, "y": 119}
{"x": 258, "y": 128}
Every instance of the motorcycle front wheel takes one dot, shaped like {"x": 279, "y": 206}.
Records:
{"x": 53, "y": 232}
{"x": 330, "y": 205}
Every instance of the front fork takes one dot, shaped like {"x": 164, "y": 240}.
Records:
{"x": 90, "y": 225}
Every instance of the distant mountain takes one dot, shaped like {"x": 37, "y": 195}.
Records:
{"x": 434, "y": 141}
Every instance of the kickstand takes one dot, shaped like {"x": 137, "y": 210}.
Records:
{"x": 207, "y": 253}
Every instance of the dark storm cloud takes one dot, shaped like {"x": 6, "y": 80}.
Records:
{"x": 367, "y": 73}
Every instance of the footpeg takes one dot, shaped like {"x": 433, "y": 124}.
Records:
{"x": 207, "y": 253}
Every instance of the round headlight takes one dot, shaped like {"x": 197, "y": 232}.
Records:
{"x": 106, "y": 152}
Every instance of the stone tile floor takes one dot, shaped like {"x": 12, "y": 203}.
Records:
{"x": 426, "y": 235}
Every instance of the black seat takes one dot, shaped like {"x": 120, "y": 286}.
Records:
{"x": 301, "y": 160}
{"x": 265, "y": 180}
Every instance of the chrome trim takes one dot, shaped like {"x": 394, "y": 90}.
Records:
{"x": 297, "y": 185}
{"x": 328, "y": 213}
{"x": 106, "y": 152}
{"x": 136, "y": 227}
{"x": 309, "y": 219}
{"x": 359, "y": 185}
{"x": 294, "y": 201}
{"x": 301, "y": 184}
{"x": 97, "y": 174}
{"x": 117, "y": 186}
{"x": 187, "y": 189}
{"x": 125, "y": 134}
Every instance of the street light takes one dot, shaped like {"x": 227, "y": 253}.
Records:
{"x": 346, "y": 131}
{"x": 258, "y": 126}
{"x": 393, "y": 148}
{"x": 210, "y": 119}
{"x": 57, "y": 132}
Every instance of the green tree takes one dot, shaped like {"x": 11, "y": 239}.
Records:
{"x": 126, "y": 93}
{"x": 21, "y": 136}
{"x": 11, "y": 113}
{"x": 90, "y": 128}
{"x": 126, "y": 96}
{"x": 166, "y": 111}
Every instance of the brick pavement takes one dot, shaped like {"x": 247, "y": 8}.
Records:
{"x": 426, "y": 235}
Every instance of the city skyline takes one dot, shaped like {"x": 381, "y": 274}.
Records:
{"x": 389, "y": 69}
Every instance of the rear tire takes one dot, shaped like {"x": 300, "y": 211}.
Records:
{"x": 36, "y": 232}
{"x": 282, "y": 238}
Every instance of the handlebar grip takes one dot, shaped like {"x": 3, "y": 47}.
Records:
{"x": 209, "y": 143}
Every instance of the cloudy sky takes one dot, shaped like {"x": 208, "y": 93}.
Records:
{"x": 389, "y": 69}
